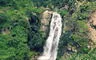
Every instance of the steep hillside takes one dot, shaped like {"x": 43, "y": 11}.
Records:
{"x": 24, "y": 28}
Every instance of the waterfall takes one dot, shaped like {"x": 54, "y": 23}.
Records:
{"x": 51, "y": 46}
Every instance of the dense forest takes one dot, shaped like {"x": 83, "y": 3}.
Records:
{"x": 21, "y": 36}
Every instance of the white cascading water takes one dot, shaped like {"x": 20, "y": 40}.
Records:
{"x": 51, "y": 46}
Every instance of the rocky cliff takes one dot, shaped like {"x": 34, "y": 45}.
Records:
{"x": 92, "y": 27}
{"x": 45, "y": 21}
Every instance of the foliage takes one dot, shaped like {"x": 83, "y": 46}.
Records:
{"x": 78, "y": 56}
{"x": 78, "y": 36}
{"x": 14, "y": 15}
{"x": 35, "y": 40}
{"x": 54, "y": 3}
{"x": 20, "y": 38}
{"x": 63, "y": 12}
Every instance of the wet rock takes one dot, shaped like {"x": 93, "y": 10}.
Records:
{"x": 45, "y": 20}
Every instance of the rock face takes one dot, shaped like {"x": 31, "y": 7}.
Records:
{"x": 45, "y": 20}
{"x": 92, "y": 27}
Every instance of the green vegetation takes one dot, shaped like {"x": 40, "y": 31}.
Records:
{"x": 14, "y": 29}
{"x": 77, "y": 38}
{"x": 20, "y": 35}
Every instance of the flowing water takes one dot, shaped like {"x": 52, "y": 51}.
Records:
{"x": 51, "y": 46}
